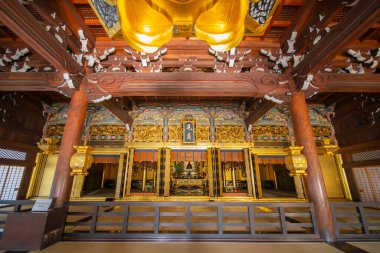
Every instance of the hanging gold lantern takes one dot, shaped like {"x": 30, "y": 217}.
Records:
{"x": 296, "y": 162}
{"x": 147, "y": 25}
{"x": 49, "y": 145}
{"x": 81, "y": 161}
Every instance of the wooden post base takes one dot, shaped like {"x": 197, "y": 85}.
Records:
{"x": 26, "y": 231}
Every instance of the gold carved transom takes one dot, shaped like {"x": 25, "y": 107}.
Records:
{"x": 321, "y": 131}
{"x": 108, "y": 130}
{"x": 55, "y": 131}
{"x": 203, "y": 133}
{"x": 147, "y": 133}
{"x": 175, "y": 133}
{"x": 269, "y": 130}
{"x": 230, "y": 133}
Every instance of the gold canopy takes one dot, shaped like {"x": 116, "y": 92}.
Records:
{"x": 148, "y": 24}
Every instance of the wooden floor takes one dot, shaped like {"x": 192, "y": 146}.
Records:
{"x": 206, "y": 247}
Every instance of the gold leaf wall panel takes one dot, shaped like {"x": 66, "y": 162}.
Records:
{"x": 269, "y": 130}
{"x": 175, "y": 133}
{"x": 147, "y": 133}
{"x": 230, "y": 133}
{"x": 203, "y": 133}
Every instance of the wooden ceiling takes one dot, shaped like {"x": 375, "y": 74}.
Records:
{"x": 194, "y": 54}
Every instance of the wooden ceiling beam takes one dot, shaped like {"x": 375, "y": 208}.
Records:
{"x": 45, "y": 12}
{"x": 351, "y": 26}
{"x": 325, "y": 9}
{"x": 300, "y": 22}
{"x": 262, "y": 107}
{"x": 22, "y": 23}
{"x": 192, "y": 84}
{"x": 117, "y": 107}
{"x": 347, "y": 82}
{"x": 30, "y": 81}
{"x": 71, "y": 16}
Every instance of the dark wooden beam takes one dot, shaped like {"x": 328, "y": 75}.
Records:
{"x": 300, "y": 22}
{"x": 22, "y": 23}
{"x": 116, "y": 106}
{"x": 16, "y": 162}
{"x": 18, "y": 146}
{"x": 72, "y": 17}
{"x": 347, "y": 82}
{"x": 351, "y": 26}
{"x": 327, "y": 9}
{"x": 366, "y": 146}
{"x": 17, "y": 127}
{"x": 45, "y": 12}
{"x": 258, "y": 111}
{"x": 30, "y": 81}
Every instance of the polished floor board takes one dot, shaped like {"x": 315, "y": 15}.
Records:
{"x": 372, "y": 247}
{"x": 190, "y": 247}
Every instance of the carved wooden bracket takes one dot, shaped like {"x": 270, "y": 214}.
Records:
{"x": 255, "y": 84}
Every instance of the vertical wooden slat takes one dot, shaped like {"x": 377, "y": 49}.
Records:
{"x": 156, "y": 219}
{"x": 124, "y": 226}
{"x": 220, "y": 219}
{"x": 362, "y": 219}
{"x": 251, "y": 220}
{"x": 94, "y": 219}
{"x": 188, "y": 220}
{"x": 284, "y": 228}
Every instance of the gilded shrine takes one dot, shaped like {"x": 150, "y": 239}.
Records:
{"x": 196, "y": 150}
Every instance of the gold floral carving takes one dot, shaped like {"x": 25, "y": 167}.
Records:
{"x": 321, "y": 131}
{"x": 203, "y": 133}
{"x": 54, "y": 131}
{"x": 230, "y": 133}
{"x": 107, "y": 130}
{"x": 49, "y": 145}
{"x": 175, "y": 133}
{"x": 269, "y": 130}
{"x": 147, "y": 133}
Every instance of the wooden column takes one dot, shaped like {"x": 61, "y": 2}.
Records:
{"x": 316, "y": 187}
{"x": 62, "y": 183}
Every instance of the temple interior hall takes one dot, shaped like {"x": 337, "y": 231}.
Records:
{"x": 190, "y": 125}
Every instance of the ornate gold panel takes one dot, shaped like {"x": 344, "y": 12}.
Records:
{"x": 203, "y": 133}
{"x": 230, "y": 133}
{"x": 107, "y": 130}
{"x": 321, "y": 131}
{"x": 269, "y": 130}
{"x": 147, "y": 133}
{"x": 55, "y": 131}
{"x": 175, "y": 133}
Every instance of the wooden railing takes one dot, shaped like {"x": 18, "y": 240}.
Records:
{"x": 8, "y": 206}
{"x": 356, "y": 220}
{"x": 201, "y": 220}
